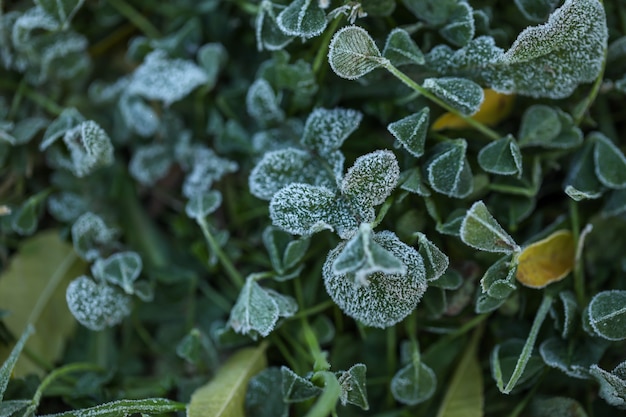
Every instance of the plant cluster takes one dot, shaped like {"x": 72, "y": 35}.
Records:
{"x": 312, "y": 207}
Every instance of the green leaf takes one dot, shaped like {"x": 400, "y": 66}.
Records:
{"x": 411, "y": 131}
{"x": 90, "y": 148}
{"x": 449, "y": 280}
{"x": 281, "y": 168}
{"x": 150, "y": 163}
{"x": 448, "y": 170}
{"x": 225, "y": 394}
{"x": 573, "y": 359}
{"x": 413, "y": 384}
{"x": 371, "y": 179}
{"x": 464, "y": 395}
{"x": 90, "y": 235}
{"x": 11, "y": 407}
{"x": 460, "y": 29}
{"x": 61, "y": 10}
{"x": 411, "y": 181}
{"x": 296, "y": 388}
{"x": 24, "y": 130}
{"x": 378, "y": 8}
{"x": 612, "y": 384}
{"x": 302, "y": 209}
{"x": 138, "y": 116}
{"x": 607, "y": 314}
{"x": 502, "y": 157}
{"x": 400, "y": 49}
{"x": 435, "y": 261}
{"x": 464, "y": 95}
{"x": 545, "y": 60}
{"x": 302, "y": 18}
{"x": 434, "y": 12}
{"x": 201, "y": 205}
{"x": 263, "y": 104}
{"x": 556, "y": 407}
{"x": 212, "y": 58}
{"x": 326, "y": 130}
{"x": 362, "y": 256}
{"x": 197, "y": 349}
{"x": 481, "y": 231}
{"x": 549, "y": 128}
{"x": 268, "y": 34}
{"x": 610, "y": 163}
{"x": 352, "y": 53}
{"x": 26, "y": 217}
{"x": 121, "y": 269}
{"x": 7, "y": 367}
{"x": 295, "y": 252}
{"x": 262, "y": 397}
{"x": 536, "y": 10}
{"x": 125, "y": 408}
{"x": 353, "y": 386}
{"x": 387, "y": 299}
{"x": 164, "y": 79}
{"x": 486, "y": 304}
{"x": 581, "y": 182}
{"x": 205, "y": 167}
{"x": 255, "y": 312}
{"x": 499, "y": 279}
{"x": 504, "y": 359}
{"x": 615, "y": 203}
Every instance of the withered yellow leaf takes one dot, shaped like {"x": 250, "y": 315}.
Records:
{"x": 495, "y": 108}
{"x": 546, "y": 261}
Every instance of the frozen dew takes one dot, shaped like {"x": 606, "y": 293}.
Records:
{"x": 326, "y": 130}
{"x": 371, "y": 179}
{"x": 150, "y": 163}
{"x": 90, "y": 234}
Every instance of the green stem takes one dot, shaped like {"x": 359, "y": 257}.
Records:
{"x": 383, "y": 211}
{"x": 529, "y": 396}
{"x": 324, "y": 42}
{"x": 57, "y": 373}
{"x": 436, "y": 347}
{"x": 313, "y": 310}
{"x": 492, "y": 134}
{"x": 327, "y": 402}
{"x": 17, "y": 99}
{"x": 527, "y": 350}
{"x": 579, "y": 277}
{"x": 320, "y": 362}
{"x": 135, "y": 18}
{"x": 232, "y": 272}
{"x": 584, "y": 107}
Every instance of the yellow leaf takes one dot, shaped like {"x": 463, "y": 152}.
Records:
{"x": 224, "y": 395}
{"x": 33, "y": 288}
{"x": 493, "y": 110}
{"x": 546, "y": 261}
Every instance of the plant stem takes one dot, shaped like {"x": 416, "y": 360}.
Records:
{"x": 232, "y": 272}
{"x": 313, "y": 310}
{"x": 324, "y": 42}
{"x": 579, "y": 277}
{"x": 584, "y": 107}
{"x": 492, "y": 134}
{"x": 542, "y": 312}
{"x": 327, "y": 402}
{"x": 320, "y": 362}
{"x": 135, "y": 18}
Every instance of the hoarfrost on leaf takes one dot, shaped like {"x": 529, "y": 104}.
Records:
{"x": 387, "y": 299}
{"x": 609, "y": 161}
{"x": 400, "y": 49}
{"x": 121, "y": 269}
{"x": 206, "y": 168}
{"x": 326, "y": 130}
{"x": 296, "y": 388}
{"x": 501, "y": 157}
{"x": 371, "y": 179}
{"x": 460, "y": 28}
{"x": 66, "y": 206}
{"x": 411, "y": 131}
{"x": 480, "y": 230}
{"x": 262, "y": 103}
{"x": 612, "y": 384}
{"x": 536, "y": 10}
{"x": 150, "y": 163}
{"x": 96, "y": 305}
{"x": 138, "y": 116}
{"x": 302, "y": 18}
{"x": 268, "y": 34}
{"x": 90, "y": 234}
{"x": 352, "y": 53}
{"x": 435, "y": 261}
{"x": 67, "y": 120}
{"x": 607, "y": 314}
{"x": 90, "y": 148}
{"x": 201, "y": 205}
{"x": 354, "y": 386}
{"x": 255, "y": 312}
{"x": 414, "y": 383}
{"x": 302, "y": 209}
{"x": 448, "y": 170}
{"x": 61, "y": 10}
{"x": 164, "y": 79}
{"x": 462, "y": 94}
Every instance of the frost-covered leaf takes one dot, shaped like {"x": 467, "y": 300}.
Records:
{"x": 206, "y": 168}
{"x": 362, "y": 256}
{"x": 607, "y": 314}
{"x": 411, "y": 131}
{"x": 464, "y": 95}
{"x": 212, "y": 58}
{"x": 268, "y": 34}
{"x": 284, "y": 252}
{"x": 24, "y": 130}
{"x": 90, "y": 235}
{"x": 371, "y": 179}
{"x": 581, "y": 182}
{"x": 296, "y": 388}
{"x": 262, "y": 103}
{"x": 352, "y": 53}
{"x": 164, "y": 79}
{"x": 121, "y": 269}
{"x": 536, "y": 10}
{"x": 378, "y": 8}
{"x": 615, "y": 203}
{"x": 61, "y": 10}
{"x": 481, "y": 231}
{"x": 262, "y": 397}
{"x": 255, "y": 312}
{"x": 287, "y": 306}
{"x": 413, "y": 384}
{"x": 26, "y": 218}
{"x": 565, "y": 318}
{"x": 451, "y": 279}
{"x": 460, "y": 29}
{"x": 504, "y": 360}
{"x": 97, "y": 305}
{"x": 486, "y": 304}
{"x": 400, "y": 49}
{"x": 502, "y": 157}
{"x": 138, "y": 116}
{"x": 572, "y": 359}
{"x": 353, "y": 386}
{"x": 7, "y": 367}
{"x": 411, "y": 181}
{"x": 387, "y": 299}
{"x": 609, "y": 160}
{"x": 90, "y": 148}
{"x": 494, "y": 108}
{"x": 612, "y": 384}
{"x": 549, "y": 128}
{"x": 546, "y": 261}
{"x": 435, "y": 261}
{"x": 66, "y": 206}
{"x": 11, "y": 407}
{"x": 499, "y": 279}
{"x": 434, "y": 12}
{"x": 448, "y": 170}
{"x": 304, "y": 18}
{"x": 302, "y": 209}
{"x": 326, "y": 130}
{"x": 280, "y": 168}
{"x": 201, "y": 205}
{"x": 197, "y": 348}
{"x": 67, "y": 120}
{"x": 552, "y": 59}
{"x": 150, "y": 163}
